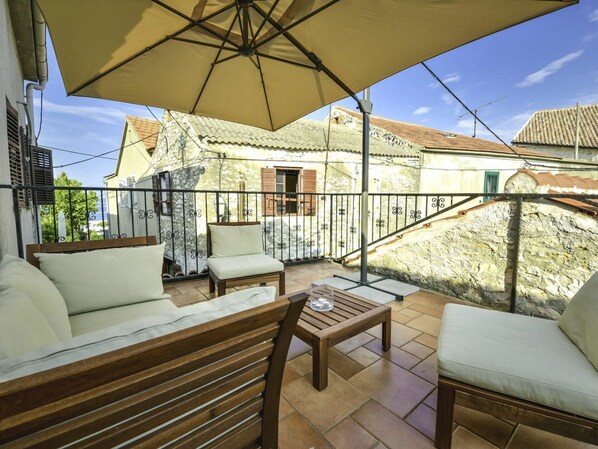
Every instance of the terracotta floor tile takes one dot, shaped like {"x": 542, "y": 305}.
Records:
{"x": 427, "y": 324}
{"x": 526, "y": 437}
{"x": 464, "y": 439}
{"x": 410, "y": 312}
{"x": 393, "y": 387}
{"x": 297, "y": 348}
{"x": 490, "y": 428}
{"x": 395, "y": 355}
{"x": 285, "y": 409}
{"x": 343, "y": 365}
{"x": 289, "y": 375}
{"x": 353, "y": 343}
{"x": 295, "y": 433}
{"x": 380, "y": 446}
{"x": 401, "y": 317}
{"x": 363, "y": 356}
{"x": 389, "y": 429}
{"x": 427, "y": 370}
{"x": 187, "y": 298}
{"x": 423, "y": 418}
{"x": 172, "y": 291}
{"x": 432, "y": 399}
{"x": 417, "y": 349}
{"x": 324, "y": 409}
{"x": 350, "y": 435}
{"x": 431, "y": 311}
{"x": 302, "y": 364}
{"x": 428, "y": 340}
{"x": 400, "y": 334}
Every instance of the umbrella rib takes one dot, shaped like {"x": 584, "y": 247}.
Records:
{"x": 286, "y": 61}
{"x": 283, "y": 30}
{"x": 232, "y": 24}
{"x": 310, "y": 55}
{"x": 196, "y": 22}
{"x": 259, "y": 67}
{"x": 205, "y": 44}
{"x": 263, "y": 23}
{"x": 129, "y": 59}
{"x": 228, "y": 58}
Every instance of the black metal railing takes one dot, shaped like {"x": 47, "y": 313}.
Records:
{"x": 297, "y": 226}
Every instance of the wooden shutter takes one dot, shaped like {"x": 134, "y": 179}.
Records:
{"x": 310, "y": 186}
{"x": 268, "y": 185}
{"x": 43, "y": 174}
{"x": 14, "y": 150}
{"x": 168, "y": 200}
{"x": 156, "y": 193}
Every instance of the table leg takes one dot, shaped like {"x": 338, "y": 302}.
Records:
{"x": 386, "y": 332}
{"x": 320, "y": 363}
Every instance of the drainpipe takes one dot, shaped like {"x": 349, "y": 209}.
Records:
{"x": 41, "y": 56}
{"x": 577, "y": 134}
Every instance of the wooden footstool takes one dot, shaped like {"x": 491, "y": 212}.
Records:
{"x": 350, "y": 316}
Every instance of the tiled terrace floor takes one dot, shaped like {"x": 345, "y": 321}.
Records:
{"x": 375, "y": 399}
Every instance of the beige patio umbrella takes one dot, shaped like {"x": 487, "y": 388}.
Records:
{"x": 261, "y": 62}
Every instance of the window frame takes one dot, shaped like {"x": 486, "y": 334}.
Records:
{"x": 487, "y": 176}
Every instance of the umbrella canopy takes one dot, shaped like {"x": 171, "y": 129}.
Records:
{"x": 259, "y": 62}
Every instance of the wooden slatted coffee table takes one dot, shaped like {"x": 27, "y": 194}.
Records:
{"x": 350, "y": 316}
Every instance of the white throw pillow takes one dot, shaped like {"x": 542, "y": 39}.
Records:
{"x": 236, "y": 240}
{"x": 19, "y": 274}
{"x": 106, "y": 278}
{"x": 580, "y": 320}
{"x": 22, "y": 327}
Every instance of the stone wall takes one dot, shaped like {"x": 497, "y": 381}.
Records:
{"x": 466, "y": 256}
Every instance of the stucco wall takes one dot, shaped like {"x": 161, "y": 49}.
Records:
{"x": 586, "y": 154}
{"x": 11, "y": 87}
{"x": 466, "y": 257}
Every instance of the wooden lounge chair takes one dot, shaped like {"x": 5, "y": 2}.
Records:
{"x": 236, "y": 257}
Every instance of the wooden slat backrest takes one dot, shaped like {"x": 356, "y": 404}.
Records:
{"x": 228, "y": 223}
{"x": 216, "y": 381}
{"x": 85, "y": 245}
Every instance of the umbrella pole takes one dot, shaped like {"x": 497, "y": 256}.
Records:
{"x": 365, "y": 106}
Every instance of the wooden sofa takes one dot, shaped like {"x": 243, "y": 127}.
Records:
{"x": 215, "y": 384}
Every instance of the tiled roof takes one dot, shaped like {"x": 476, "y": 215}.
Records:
{"x": 557, "y": 127}
{"x": 561, "y": 180}
{"x": 586, "y": 208}
{"x": 146, "y": 129}
{"x": 434, "y": 139}
{"x": 303, "y": 134}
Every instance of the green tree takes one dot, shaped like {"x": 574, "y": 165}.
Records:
{"x": 77, "y": 205}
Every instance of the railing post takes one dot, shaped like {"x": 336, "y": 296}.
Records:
{"x": 330, "y": 227}
{"x": 218, "y": 207}
{"x": 516, "y": 233}
{"x": 17, "y": 212}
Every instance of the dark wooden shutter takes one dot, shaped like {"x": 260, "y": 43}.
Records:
{"x": 43, "y": 174}
{"x": 310, "y": 187}
{"x": 156, "y": 193}
{"x": 268, "y": 185}
{"x": 14, "y": 150}
{"x": 168, "y": 201}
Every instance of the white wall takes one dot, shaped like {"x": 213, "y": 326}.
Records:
{"x": 11, "y": 87}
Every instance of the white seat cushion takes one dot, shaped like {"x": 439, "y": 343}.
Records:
{"x": 241, "y": 266}
{"x": 106, "y": 278}
{"x": 18, "y": 274}
{"x": 230, "y": 240}
{"x": 129, "y": 333}
{"x": 84, "y": 323}
{"x": 525, "y": 357}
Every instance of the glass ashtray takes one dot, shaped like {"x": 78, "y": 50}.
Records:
{"x": 321, "y": 304}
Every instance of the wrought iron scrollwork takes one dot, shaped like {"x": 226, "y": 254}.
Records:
{"x": 438, "y": 203}
{"x": 92, "y": 215}
{"x": 415, "y": 214}
{"x": 296, "y": 228}
{"x": 281, "y": 245}
{"x": 143, "y": 214}
{"x": 194, "y": 213}
{"x": 342, "y": 211}
{"x": 267, "y": 229}
{"x": 341, "y": 244}
{"x": 309, "y": 243}
{"x": 397, "y": 210}
{"x": 116, "y": 236}
{"x": 353, "y": 229}
{"x": 247, "y": 212}
{"x": 169, "y": 235}
{"x": 324, "y": 226}
{"x": 197, "y": 254}
{"x": 380, "y": 223}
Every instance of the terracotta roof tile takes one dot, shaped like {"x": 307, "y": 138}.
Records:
{"x": 434, "y": 139}
{"x": 590, "y": 209}
{"x": 561, "y": 180}
{"x": 557, "y": 127}
{"x": 146, "y": 129}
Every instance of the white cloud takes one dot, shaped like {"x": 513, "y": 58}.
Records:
{"x": 553, "y": 67}
{"x": 589, "y": 98}
{"x": 101, "y": 114}
{"x": 447, "y": 98}
{"x": 594, "y": 16}
{"x": 452, "y": 78}
{"x": 422, "y": 110}
{"x": 465, "y": 124}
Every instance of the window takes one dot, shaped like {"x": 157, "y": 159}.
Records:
{"x": 490, "y": 183}
{"x": 295, "y": 190}
{"x": 15, "y": 159}
{"x": 162, "y": 186}
{"x": 125, "y": 196}
{"x": 43, "y": 174}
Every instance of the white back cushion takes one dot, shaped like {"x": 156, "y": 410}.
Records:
{"x": 580, "y": 320}
{"x": 22, "y": 327}
{"x": 102, "y": 279}
{"x": 236, "y": 240}
{"x": 16, "y": 273}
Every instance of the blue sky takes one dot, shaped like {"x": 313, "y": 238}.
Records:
{"x": 549, "y": 62}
